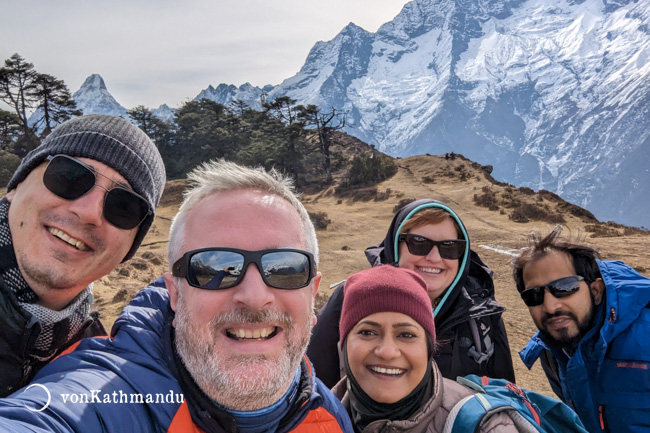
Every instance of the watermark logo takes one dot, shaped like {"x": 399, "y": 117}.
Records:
{"x": 96, "y": 396}
{"x": 49, "y": 397}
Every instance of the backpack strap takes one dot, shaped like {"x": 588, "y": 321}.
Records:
{"x": 453, "y": 414}
{"x": 470, "y": 413}
{"x": 475, "y": 351}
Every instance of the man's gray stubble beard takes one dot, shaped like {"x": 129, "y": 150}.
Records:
{"x": 239, "y": 382}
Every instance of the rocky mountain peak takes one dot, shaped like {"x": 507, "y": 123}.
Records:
{"x": 93, "y": 97}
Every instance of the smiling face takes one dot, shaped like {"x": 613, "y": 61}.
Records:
{"x": 387, "y": 354}
{"x": 242, "y": 345}
{"x": 438, "y": 273}
{"x": 563, "y": 321}
{"x": 62, "y": 246}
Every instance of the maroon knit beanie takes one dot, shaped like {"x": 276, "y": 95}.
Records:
{"x": 386, "y": 288}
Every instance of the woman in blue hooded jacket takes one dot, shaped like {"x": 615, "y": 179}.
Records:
{"x": 426, "y": 236}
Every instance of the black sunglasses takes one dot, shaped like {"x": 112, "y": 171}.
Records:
{"x": 223, "y": 268}
{"x": 561, "y": 288}
{"x": 417, "y": 245}
{"x": 71, "y": 179}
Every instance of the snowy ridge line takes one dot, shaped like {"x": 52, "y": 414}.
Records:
{"x": 501, "y": 250}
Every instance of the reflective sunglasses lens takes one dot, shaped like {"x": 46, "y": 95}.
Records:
{"x": 124, "y": 209}
{"x": 564, "y": 287}
{"x": 286, "y": 269}
{"x": 67, "y": 178}
{"x": 561, "y": 288}
{"x": 215, "y": 270}
{"x": 452, "y": 249}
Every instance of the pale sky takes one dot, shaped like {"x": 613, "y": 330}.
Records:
{"x": 151, "y": 52}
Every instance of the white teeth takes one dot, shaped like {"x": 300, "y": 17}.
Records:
{"x": 390, "y": 371}
{"x": 72, "y": 241}
{"x": 431, "y": 270}
{"x": 248, "y": 334}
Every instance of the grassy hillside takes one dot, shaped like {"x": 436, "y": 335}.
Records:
{"x": 497, "y": 216}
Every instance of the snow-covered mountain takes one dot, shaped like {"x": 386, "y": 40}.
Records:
{"x": 164, "y": 112}
{"x": 93, "y": 98}
{"x": 553, "y": 94}
{"x": 225, "y": 94}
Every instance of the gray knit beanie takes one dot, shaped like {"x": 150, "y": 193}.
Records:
{"x": 113, "y": 141}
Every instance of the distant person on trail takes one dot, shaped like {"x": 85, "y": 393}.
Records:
{"x": 388, "y": 340}
{"x": 192, "y": 353}
{"x": 428, "y": 238}
{"x": 58, "y": 234}
{"x": 593, "y": 318}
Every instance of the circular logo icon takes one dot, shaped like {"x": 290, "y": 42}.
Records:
{"x": 49, "y": 397}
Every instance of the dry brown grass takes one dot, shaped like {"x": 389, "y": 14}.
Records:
{"x": 358, "y": 220}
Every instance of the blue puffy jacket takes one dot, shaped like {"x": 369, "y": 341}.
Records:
{"x": 97, "y": 386}
{"x": 607, "y": 380}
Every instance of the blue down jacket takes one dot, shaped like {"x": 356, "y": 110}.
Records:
{"x": 91, "y": 389}
{"x": 607, "y": 380}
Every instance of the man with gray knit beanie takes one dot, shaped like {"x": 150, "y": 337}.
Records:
{"x": 58, "y": 234}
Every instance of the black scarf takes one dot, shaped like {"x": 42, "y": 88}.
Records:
{"x": 364, "y": 410}
{"x": 8, "y": 265}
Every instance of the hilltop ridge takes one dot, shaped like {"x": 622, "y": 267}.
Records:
{"x": 355, "y": 218}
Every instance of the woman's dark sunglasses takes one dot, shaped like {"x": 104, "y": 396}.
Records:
{"x": 561, "y": 288}
{"x": 71, "y": 179}
{"x": 223, "y": 268}
{"x": 417, "y": 245}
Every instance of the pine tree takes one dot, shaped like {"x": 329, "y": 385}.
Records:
{"x": 17, "y": 84}
{"x": 323, "y": 127}
{"x": 54, "y": 99}
{"x": 158, "y": 130}
{"x": 10, "y": 129}
{"x": 291, "y": 134}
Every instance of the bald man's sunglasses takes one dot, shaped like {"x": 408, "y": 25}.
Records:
{"x": 223, "y": 268}
{"x": 561, "y": 288}
{"x": 451, "y": 249}
{"x": 71, "y": 179}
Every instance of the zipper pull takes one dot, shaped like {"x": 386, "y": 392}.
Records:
{"x": 601, "y": 416}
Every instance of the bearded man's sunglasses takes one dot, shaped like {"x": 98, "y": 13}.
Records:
{"x": 70, "y": 179}
{"x": 451, "y": 249}
{"x": 561, "y": 288}
{"x": 223, "y": 268}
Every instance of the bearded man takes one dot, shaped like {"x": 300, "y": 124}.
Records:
{"x": 228, "y": 333}
{"x": 593, "y": 318}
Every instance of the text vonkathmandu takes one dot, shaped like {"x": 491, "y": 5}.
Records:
{"x": 121, "y": 397}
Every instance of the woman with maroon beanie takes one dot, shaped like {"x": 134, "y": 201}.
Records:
{"x": 387, "y": 336}
{"x": 429, "y": 238}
